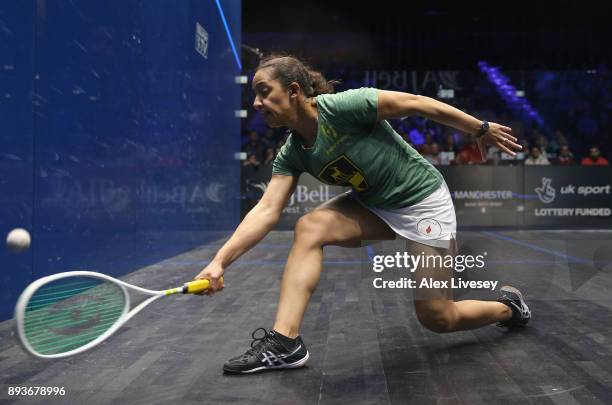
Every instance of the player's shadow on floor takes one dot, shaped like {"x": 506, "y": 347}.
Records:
{"x": 468, "y": 348}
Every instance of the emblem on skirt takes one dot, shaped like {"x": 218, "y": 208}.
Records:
{"x": 430, "y": 228}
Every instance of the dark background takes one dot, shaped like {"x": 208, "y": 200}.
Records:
{"x": 421, "y": 35}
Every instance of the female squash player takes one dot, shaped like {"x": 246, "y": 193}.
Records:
{"x": 344, "y": 139}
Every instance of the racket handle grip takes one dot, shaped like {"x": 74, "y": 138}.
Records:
{"x": 197, "y": 286}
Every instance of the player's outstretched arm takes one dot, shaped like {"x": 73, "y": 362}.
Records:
{"x": 253, "y": 228}
{"x": 394, "y": 104}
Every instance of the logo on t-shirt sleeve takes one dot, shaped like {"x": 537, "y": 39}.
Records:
{"x": 343, "y": 172}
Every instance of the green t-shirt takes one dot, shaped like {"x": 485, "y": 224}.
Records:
{"x": 353, "y": 149}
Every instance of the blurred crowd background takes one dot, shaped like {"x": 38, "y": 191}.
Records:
{"x": 562, "y": 118}
{"x": 542, "y": 69}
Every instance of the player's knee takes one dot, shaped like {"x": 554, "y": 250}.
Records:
{"x": 310, "y": 229}
{"x": 436, "y": 320}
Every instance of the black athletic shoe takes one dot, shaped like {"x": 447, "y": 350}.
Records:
{"x": 268, "y": 353}
{"x": 520, "y": 311}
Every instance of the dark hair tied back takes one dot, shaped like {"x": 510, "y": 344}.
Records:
{"x": 289, "y": 69}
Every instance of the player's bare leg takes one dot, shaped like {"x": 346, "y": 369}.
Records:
{"x": 435, "y": 307}
{"x": 342, "y": 221}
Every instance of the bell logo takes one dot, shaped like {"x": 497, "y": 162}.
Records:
{"x": 303, "y": 194}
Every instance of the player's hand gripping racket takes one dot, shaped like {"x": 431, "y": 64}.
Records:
{"x": 67, "y": 313}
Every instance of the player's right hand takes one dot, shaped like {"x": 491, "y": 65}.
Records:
{"x": 500, "y": 137}
{"x": 212, "y": 272}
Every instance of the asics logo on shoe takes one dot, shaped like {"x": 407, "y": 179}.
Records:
{"x": 272, "y": 360}
{"x": 522, "y": 309}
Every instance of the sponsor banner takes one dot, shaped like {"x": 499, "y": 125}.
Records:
{"x": 553, "y": 196}
{"x": 418, "y": 82}
{"x": 309, "y": 194}
{"x": 486, "y": 195}
{"x": 573, "y": 197}
{"x": 117, "y": 198}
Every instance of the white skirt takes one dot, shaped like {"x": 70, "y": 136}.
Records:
{"x": 431, "y": 221}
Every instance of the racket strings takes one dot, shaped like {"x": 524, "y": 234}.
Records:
{"x": 48, "y": 315}
{"x": 69, "y": 313}
{"x": 35, "y": 328}
{"x": 41, "y": 299}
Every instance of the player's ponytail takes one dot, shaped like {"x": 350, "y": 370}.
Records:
{"x": 289, "y": 69}
{"x": 319, "y": 84}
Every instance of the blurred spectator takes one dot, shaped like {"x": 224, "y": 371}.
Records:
{"x": 594, "y": 158}
{"x": 536, "y": 157}
{"x": 525, "y": 144}
{"x": 435, "y": 130}
{"x": 252, "y": 161}
{"x": 535, "y": 133}
{"x": 432, "y": 154}
{"x": 269, "y": 139}
{"x": 452, "y": 141}
{"x": 254, "y": 147}
{"x": 270, "y": 155}
{"x": 417, "y": 134}
{"x": 469, "y": 154}
{"x": 557, "y": 142}
{"x": 565, "y": 157}
{"x": 407, "y": 139}
{"x": 542, "y": 143}
{"x": 429, "y": 137}
{"x": 416, "y": 137}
